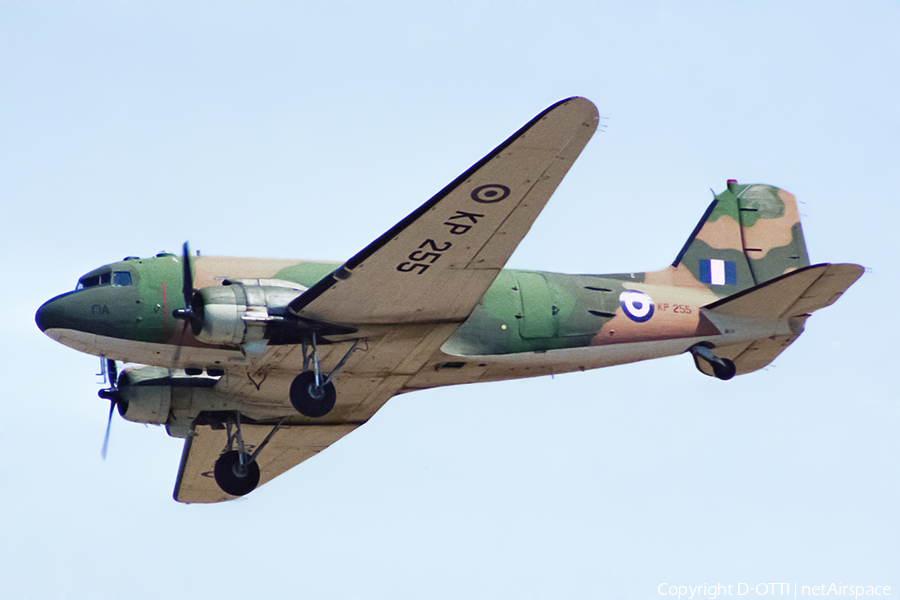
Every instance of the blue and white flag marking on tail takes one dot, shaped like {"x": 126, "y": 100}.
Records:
{"x": 718, "y": 272}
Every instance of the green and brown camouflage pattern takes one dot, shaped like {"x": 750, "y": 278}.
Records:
{"x": 754, "y": 227}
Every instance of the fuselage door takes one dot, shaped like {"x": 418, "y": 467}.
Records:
{"x": 538, "y": 318}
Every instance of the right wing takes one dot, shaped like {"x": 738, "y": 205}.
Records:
{"x": 423, "y": 277}
{"x": 437, "y": 263}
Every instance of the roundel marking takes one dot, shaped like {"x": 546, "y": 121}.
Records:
{"x": 637, "y": 305}
{"x": 492, "y": 192}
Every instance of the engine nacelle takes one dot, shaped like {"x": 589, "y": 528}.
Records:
{"x": 142, "y": 398}
{"x": 239, "y": 311}
{"x": 151, "y": 395}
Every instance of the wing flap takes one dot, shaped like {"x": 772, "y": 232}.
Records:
{"x": 290, "y": 446}
{"x": 436, "y": 264}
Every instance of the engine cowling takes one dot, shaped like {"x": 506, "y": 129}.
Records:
{"x": 240, "y": 311}
{"x": 142, "y": 398}
{"x": 151, "y": 395}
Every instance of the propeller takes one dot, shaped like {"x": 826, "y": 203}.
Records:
{"x": 187, "y": 290}
{"x": 187, "y": 314}
{"x": 113, "y": 395}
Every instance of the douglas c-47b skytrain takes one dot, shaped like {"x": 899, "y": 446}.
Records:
{"x": 260, "y": 364}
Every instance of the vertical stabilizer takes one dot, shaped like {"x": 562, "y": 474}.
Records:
{"x": 750, "y": 234}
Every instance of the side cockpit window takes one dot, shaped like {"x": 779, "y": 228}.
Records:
{"x": 120, "y": 278}
{"x": 88, "y": 281}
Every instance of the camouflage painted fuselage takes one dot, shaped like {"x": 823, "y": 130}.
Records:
{"x": 528, "y": 323}
{"x": 737, "y": 295}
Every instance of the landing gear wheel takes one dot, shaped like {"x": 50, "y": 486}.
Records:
{"x": 724, "y": 370}
{"x": 232, "y": 477}
{"x": 309, "y": 399}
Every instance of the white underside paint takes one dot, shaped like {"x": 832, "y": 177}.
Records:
{"x": 491, "y": 367}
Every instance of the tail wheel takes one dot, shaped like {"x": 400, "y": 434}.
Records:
{"x": 724, "y": 370}
{"x": 312, "y": 399}
{"x": 236, "y": 478}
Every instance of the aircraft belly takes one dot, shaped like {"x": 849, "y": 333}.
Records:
{"x": 500, "y": 367}
{"x": 146, "y": 353}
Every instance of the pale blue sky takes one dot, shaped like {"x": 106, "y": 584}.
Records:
{"x": 277, "y": 129}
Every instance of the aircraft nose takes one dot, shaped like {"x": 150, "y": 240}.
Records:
{"x": 51, "y": 315}
{"x": 104, "y": 310}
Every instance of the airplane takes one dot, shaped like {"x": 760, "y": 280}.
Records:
{"x": 259, "y": 364}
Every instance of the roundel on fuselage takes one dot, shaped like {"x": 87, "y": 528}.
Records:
{"x": 637, "y": 305}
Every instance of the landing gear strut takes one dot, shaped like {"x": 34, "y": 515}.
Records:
{"x": 236, "y": 471}
{"x": 312, "y": 392}
{"x": 722, "y": 368}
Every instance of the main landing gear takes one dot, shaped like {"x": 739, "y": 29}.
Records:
{"x": 236, "y": 470}
{"x": 312, "y": 392}
{"x": 722, "y": 368}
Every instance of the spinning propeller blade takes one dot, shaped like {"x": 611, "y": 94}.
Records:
{"x": 112, "y": 407}
{"x": 112, "y": 394}
{"x": 186, "y": 313}
{"x": 187, "y": 276}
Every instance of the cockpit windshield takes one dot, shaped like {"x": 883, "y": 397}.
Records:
{"x": 120, "y": 278}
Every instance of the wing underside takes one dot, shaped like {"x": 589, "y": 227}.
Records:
{"x": 288, "y": 447}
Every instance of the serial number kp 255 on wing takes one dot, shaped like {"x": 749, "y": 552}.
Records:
{"x": 260, "y": 364}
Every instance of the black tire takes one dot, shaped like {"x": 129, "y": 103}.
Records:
{"x": 724, "y": 371}
{"x": 310, "y": 400}
{"x": 228, "y": 477}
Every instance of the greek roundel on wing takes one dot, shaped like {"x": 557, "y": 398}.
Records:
{"x": 637, "y": 305}
{"x": 490, "y": 193}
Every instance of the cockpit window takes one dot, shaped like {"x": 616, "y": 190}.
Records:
{"x": 88, "y": 282}
{"x": 121, "y": 278}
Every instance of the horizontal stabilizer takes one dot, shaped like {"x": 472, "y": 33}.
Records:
{"x": 793, "y": 296}
{"x": 798, "y": 293}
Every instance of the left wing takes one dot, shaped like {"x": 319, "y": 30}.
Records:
{"x": 436, "y": 264}
{"x": 291, "y": 445}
